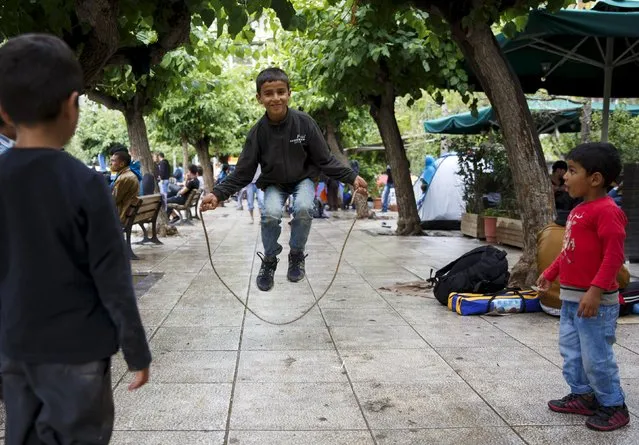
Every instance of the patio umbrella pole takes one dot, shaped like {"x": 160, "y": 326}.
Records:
{"x": 610, "y": 46}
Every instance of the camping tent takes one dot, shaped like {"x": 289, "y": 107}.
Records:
{"x": 443, "y": 205}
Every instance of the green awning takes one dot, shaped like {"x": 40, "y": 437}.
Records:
{"x": 616, "y": 5}
{"x": 549, "y": 115}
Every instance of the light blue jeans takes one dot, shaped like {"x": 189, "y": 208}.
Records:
{"x": 386, "y": 197}
{"x": 251, "y": 193}
{"x": 589, "y": 360}
{"x": 274, "y": 198}
{"x": 164, "y": 190}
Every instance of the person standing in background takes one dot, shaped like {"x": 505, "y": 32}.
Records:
{"x": 387, "y": 188}
{"x": 164, "y": 173}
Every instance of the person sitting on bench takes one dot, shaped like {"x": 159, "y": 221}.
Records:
{"x": 126, "y": 186}
{"x": 192, "y": 183}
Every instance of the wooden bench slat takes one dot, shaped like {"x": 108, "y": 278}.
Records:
{"x": 144, "y": 217}
{"x": 150, "y": 206}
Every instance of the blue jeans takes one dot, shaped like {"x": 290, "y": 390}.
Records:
{"x": 164, "y": 186}
{"x": 386, "y": 197}
{"x": 251, "y": 193}
{"x": 586, "y": 347}
{"x": 274, "y": 198}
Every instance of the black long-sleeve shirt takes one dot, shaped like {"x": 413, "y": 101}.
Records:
{"x": 164, "y": 169}
{"x": 288, "y": 152}
{"x": 66, "y": 293}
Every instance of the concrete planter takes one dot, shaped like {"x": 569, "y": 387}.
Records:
{"x": 472, "y": 225}
{"x": 510, "y": 232}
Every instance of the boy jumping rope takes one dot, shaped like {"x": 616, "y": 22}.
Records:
{"x": 290, "y": 148}
{"x": 593, "y": 253}
{"x": 66, "y": 294}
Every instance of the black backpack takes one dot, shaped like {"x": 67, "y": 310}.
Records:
{"x": 482, "y": 270}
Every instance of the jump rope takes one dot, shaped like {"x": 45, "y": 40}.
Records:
{"x": 317, "y": 300}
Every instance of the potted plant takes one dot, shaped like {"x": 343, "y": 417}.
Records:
{"x": 490, "y": 224}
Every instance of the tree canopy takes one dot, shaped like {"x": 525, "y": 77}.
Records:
{"x": 137, "y": 33}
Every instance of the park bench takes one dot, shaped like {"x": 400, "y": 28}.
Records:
{"x": 191, "y": 202}
{"x": 144, "y": 211}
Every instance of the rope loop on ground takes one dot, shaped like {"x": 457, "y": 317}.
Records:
{"x": 276, "y": 323}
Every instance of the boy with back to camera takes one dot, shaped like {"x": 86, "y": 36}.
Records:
{"x": 66, "y": 293}
{"x": 592, "y": 254}
{"x": 292, "y": 152}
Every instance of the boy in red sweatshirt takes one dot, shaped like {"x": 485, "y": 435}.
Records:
{"x": 592, "y": 254}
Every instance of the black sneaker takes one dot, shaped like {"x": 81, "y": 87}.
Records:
{"x": 609, "y": 418}
{"x": 296, "y": 271}
{"x": 584, "y": 404}
{"x": 267, "y": 271}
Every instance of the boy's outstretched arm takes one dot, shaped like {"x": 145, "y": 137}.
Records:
{"x": 242, "y": 176}
{"x": 109, "y": 266}
{"x": 329, "y": 164}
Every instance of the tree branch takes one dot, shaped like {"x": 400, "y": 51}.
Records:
{"x": 106, "y": 100}
{"x": 142, "y": 58}
{"x": 103, "y": 39}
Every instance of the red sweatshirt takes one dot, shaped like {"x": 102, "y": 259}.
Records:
{"x": 593, "y": 250}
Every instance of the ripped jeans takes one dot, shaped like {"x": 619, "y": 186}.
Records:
{"x": 274, "y": 198}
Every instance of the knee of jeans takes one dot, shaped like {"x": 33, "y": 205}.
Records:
{"x": 272, "y": 214}
{"x": 304, "y": 209}
{"x": 303, "y": 214}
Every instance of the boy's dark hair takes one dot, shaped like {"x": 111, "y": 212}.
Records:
{"x": 563, "y": 165}
{"x": 123, "y": 156}
{"x": 200, "y": 170}
{"x": 271, "y": 75}
{"x": 37, "y": 73}
{"x": 160, "y": 154}
{"x": 117, "y": 147}
{"x": 598, "y": 157}
{"x": 193, "y": 169}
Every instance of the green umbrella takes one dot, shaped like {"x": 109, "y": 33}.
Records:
{"x": 550, "y": 115}
{"x": 588, "y": 53}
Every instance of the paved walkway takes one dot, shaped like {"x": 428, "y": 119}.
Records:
{"x": 366, "y": 367}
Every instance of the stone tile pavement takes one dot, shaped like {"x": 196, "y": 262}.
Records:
{"x": 364, "y": 367}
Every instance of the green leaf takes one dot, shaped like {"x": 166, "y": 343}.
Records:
{"x": 208, "y": 16}
{"x": 510, "y": 30}
{"x": 285, "y": 12}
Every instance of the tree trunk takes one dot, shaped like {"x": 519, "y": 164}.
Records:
{"x": 586, "y": 122}
{"x": 202, "y": 149}
{"x": 138, "y": 138}
{"x": 383, "y": 112}
{"x": 333, "y": 143}
{"x": 139, "y": 141}
{"x": 185, "y": 153}
{"x": 525, "y": 156}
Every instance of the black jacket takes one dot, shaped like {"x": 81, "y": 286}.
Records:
{"x": 288, "y": 152}
{"x": 66, "y": 293}
{"x": 164, "y": 169}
